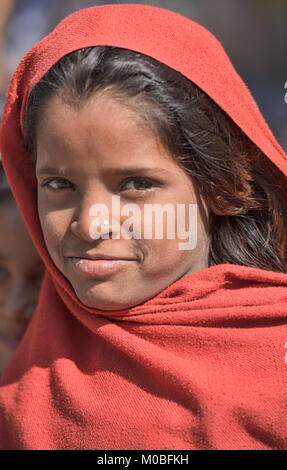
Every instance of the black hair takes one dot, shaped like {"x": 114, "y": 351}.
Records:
{"x": 244, "y": 191}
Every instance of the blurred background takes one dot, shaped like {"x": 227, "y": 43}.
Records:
{"x": 253, "y": 33}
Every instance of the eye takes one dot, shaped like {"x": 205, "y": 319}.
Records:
{"x": 138, "y": 184}
{"x": 57, "y": 184}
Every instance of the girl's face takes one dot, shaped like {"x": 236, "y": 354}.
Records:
{"x": 21, "y": 272}
{"x": 85, "y": 156}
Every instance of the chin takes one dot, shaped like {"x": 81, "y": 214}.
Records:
{"x": 103, "y": 301}
{"x": 106, "y": 294}
{"x": 105, "y": 306}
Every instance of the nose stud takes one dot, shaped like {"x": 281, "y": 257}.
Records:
{"x": 104, "y": 228}
{"x": 96, "y": 224}
{"x": 102, "y": 223}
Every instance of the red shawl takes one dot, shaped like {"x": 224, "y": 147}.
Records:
{"x": 199, "y": 366}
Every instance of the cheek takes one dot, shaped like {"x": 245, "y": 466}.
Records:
{"x": 162, "y": 243}
{"x": 169, "y": 223}
{"x": 55, "y": 224}
{"x": 177, "y": 243}
{"x": 163, "y": 262}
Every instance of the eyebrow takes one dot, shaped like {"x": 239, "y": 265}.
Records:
{"x": 116, "y": 171}
{"x": 49, "y": 169}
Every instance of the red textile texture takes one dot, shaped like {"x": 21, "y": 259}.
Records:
{"x": 199, "y": 366}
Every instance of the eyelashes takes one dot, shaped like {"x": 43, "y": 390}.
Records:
{"x": 64, "y": 184}
{"x": 48, "y": 182}
{"x": 138, "y": 181}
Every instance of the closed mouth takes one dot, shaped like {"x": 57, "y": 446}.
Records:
{"x": 100, "y": 266}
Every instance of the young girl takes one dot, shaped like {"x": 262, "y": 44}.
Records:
{"x": 21, "y": 273}
{"x": 138, "y": 342}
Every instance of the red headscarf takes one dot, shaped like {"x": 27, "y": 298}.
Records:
{"x": 199, "y": 366}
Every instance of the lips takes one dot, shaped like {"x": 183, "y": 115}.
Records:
{"x": 95, "y": 256}
{"x": 99, "y": 265}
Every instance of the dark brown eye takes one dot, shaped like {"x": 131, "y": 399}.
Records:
{"x": 138, "y": 184}
{"x": 57, "y": 184}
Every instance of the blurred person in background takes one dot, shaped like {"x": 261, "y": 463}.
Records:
{"x": 21, "y": 273}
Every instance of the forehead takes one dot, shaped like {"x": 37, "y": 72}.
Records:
{"x": 103, "y": 129}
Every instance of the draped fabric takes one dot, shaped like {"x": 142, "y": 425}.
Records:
{"x": 199, "y": 366}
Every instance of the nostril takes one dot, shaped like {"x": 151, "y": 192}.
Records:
{"x": 82, "y": 229}
{"x": 74, "y": 226}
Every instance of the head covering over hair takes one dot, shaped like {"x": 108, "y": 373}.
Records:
{"x": 200, "y": 365}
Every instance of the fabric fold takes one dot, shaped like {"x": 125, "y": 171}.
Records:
{"x": 202, "y": 365}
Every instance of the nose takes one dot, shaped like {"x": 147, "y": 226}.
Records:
{"x": 92, "y": 219}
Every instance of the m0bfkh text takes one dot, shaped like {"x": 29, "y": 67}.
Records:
{"x": 143, "y": 459}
